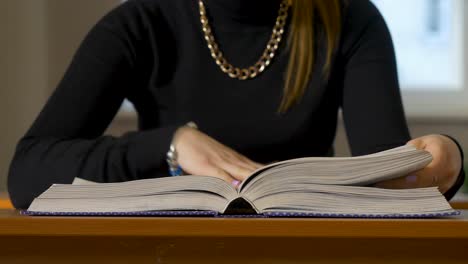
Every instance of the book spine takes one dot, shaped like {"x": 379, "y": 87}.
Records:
{"x": 240, "y": 206}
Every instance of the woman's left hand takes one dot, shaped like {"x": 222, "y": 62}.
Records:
{"x": 442, "y": 171}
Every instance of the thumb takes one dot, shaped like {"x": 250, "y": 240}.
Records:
{"x": 418, "y": 143}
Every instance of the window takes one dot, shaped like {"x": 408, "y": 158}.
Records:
{"x": 428, "y": 37}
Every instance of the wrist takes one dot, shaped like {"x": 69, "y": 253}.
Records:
{"x": 172, "y": 155}
{"x": 181, "y": 133}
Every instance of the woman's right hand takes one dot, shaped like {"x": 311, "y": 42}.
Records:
{"x": 199, "y": 154}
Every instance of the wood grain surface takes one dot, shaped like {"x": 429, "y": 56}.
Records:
{"x": 14, "y": 224}
{"x": 25, "y": 239}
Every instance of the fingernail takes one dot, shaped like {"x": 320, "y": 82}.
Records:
{"x": 235, "y": 183}
{"x": 412, "y": 178}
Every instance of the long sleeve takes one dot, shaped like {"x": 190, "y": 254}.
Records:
{"x": 371, "y": 100}
{"x": 66, "y": 139}
{"x": 461, "y": 176}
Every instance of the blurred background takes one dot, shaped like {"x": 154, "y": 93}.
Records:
{"x": 39, "y": 37}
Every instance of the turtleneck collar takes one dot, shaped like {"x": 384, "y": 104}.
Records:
{"x": 242, "y": 12}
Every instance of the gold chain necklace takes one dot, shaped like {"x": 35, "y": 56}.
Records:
{"x": 265, "y": 59}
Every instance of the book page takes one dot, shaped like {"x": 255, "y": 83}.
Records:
{"x": 170, "y": 193}
{"x": 360, "y": 171}
{"x": 170, "y": 201}
{"x": 339, "y": 200}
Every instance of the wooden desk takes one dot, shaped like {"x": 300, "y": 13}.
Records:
{"x": 5, "y": 201}
{"x": 203, "y": 240}
{"x": 460, "y": 201}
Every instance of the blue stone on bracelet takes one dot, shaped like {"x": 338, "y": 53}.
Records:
{"x": 176, "y": 172}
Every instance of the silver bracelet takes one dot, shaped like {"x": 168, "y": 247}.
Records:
{"x": 171, "y": 156}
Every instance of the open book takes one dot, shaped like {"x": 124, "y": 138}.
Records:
{"x": 332, "y": 187}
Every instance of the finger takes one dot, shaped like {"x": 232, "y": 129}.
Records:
{"x": 236, "y": 171}
{"x": 233, "y": 157}
{"x": 258, "y": 165}
{"x": 252, "y": 164}
{"x": 434, "y": 174}
{"x": 245, "y": 162}
{"x": 421, "y": 179}
{"x": 418, "y": 143}
{"x": 218, "y": 172}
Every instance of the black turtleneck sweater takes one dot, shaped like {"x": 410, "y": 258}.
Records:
{"x": 153, "y": 53}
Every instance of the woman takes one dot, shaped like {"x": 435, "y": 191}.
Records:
{"x": 201, "y": 61}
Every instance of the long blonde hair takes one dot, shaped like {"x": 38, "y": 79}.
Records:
{"x": 301, "y": 44}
